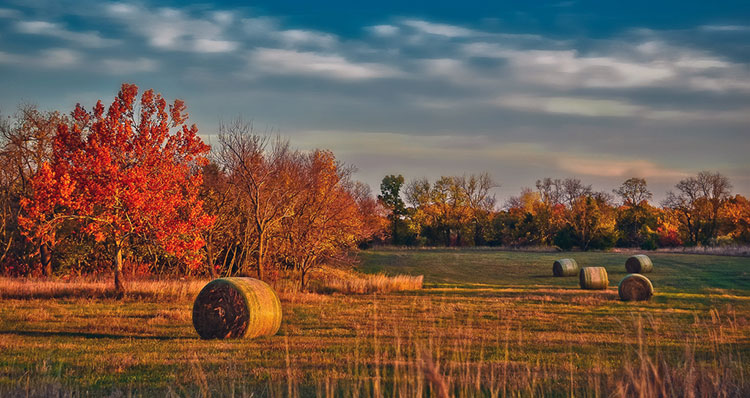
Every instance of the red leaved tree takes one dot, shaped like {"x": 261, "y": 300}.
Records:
{"x": 130, "y": 173}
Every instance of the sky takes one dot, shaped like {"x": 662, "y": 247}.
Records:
{"x": 596, "y": 90}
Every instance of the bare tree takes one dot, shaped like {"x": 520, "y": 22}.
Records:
{"x": 698, "y": 202}
{"x": 261, "y": 168}
{"x": 550, "y": 191}
{"x": 633, "y": 191}
{"x": 572, "y": 189}
{"x": 479, "y": 200}
{"x": 220, "y": 201}
{"x": 557, "y": 191}
{"x": 417, "y": 192}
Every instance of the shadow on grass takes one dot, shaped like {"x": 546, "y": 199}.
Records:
{"x": 41, "y": 333}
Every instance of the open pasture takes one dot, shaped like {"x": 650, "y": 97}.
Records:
{"x": 488, "y": 323}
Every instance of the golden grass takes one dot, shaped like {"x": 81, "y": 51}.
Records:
{"x": 24, "y": 288}
{"x": 509, "y": 343}
{"x": 323, "y": 280}
{"x": 468, "y": 340}
{"x": 332, "y": 280}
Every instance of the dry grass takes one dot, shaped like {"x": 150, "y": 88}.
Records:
{"x": 449, "y": 340}
{"x": 650, "y": 375}
{"x": 333, "y": 280}
{"x": 22, "y": 288}
{"x": 507, "y": 342}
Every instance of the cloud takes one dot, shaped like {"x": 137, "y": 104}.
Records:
{"x": 11, "y": 59}
{"x": 621, "y": 65}
{"x": 298, "y": 37}
{"x": 384, "y": 30}
{"x": 86, "y": 39}
{"x": 570, "y": 106}
{"x": 592, "y": 165}
{"x": 175, "y": 30}
{"x": 595, "y": 107}
{"x": 9, "y": 13}
{"x": 214, "y": 46}
{"x": 438, "y": 29}
{"x": 129, "y": 66}
{"x": 59, "y": 58}
{"x": 51, "y": 58}
{"x": 725, "y": 28}
{"x": 278, "y": 61}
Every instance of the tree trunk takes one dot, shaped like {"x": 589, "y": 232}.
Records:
{"x": 394, "y": 231}
{"x": 46, "y": 257}
{"x": 259, "y": 258}
{"x": 210, "y": 255}
{"x": 119, "y": 287}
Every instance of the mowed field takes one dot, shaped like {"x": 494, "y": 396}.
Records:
{"x": 487, "y": 323}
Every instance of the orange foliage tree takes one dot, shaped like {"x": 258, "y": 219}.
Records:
{"x": 124, "y": 174}
{"x": 328, "y": 219}
{"x": 736, "y": 215}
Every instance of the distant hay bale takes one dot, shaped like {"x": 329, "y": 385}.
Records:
{"x": 236, "y": 307}
{"x": 639, "y": 264}
{"x": 593, "y": 278}
{"x": 565, "y": 267}
{"x": 635, "y": 287}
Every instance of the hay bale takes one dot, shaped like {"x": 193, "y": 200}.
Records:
{"x": 635, "y": 287}
{"x": 639, "y": 264}
{"x": 565, "y": 267}
{"x": 236, "y": 307}
{"x": 593, "y": 278}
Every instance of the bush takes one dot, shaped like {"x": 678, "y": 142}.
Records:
{"x": 564, "y": 239}
{"x": 649, "y": 244}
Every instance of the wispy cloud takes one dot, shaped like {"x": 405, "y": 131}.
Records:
{"x": 438, "y": 29}
{"x": 384, "y": 30}
{"x": 9, "y": 13}
{"x": 299, "y": 37}
{"x": 56, "y": 30}
{"x": 278, "y": 61}
{"x": 174, "y": 29}
{"x": 129, "y": 66}
{"x": 725, "y": 28}
{"x": 51, "y": 58}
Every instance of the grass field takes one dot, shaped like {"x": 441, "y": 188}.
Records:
{"x": 488, "y": 323}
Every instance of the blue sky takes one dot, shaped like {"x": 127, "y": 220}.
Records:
{"x": 601, "y": 91}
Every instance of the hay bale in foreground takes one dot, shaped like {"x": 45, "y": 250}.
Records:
{"x": 593, "y": 278}
{"x": 639, "y": 264}
{"x": 635, "y": 287}
{"x": 565, "y": 267}
{"x": 236, "y": 307}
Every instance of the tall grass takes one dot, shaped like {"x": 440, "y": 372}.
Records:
{"x": 24, "y": 288}
{"x": 333, "y": 280}
{"x": 327, "y": 280}
{"x": 410, "y": 366}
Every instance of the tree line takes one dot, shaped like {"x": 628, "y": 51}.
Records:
{"x": 461, "y": 211}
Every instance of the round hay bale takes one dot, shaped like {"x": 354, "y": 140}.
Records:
{"x": 639, "y": 264}
{"x": 236, "y": 307}
{"x": 565, "y": 267}
{"x": 593, "y": 278}
{"x": 635, "y": 287}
